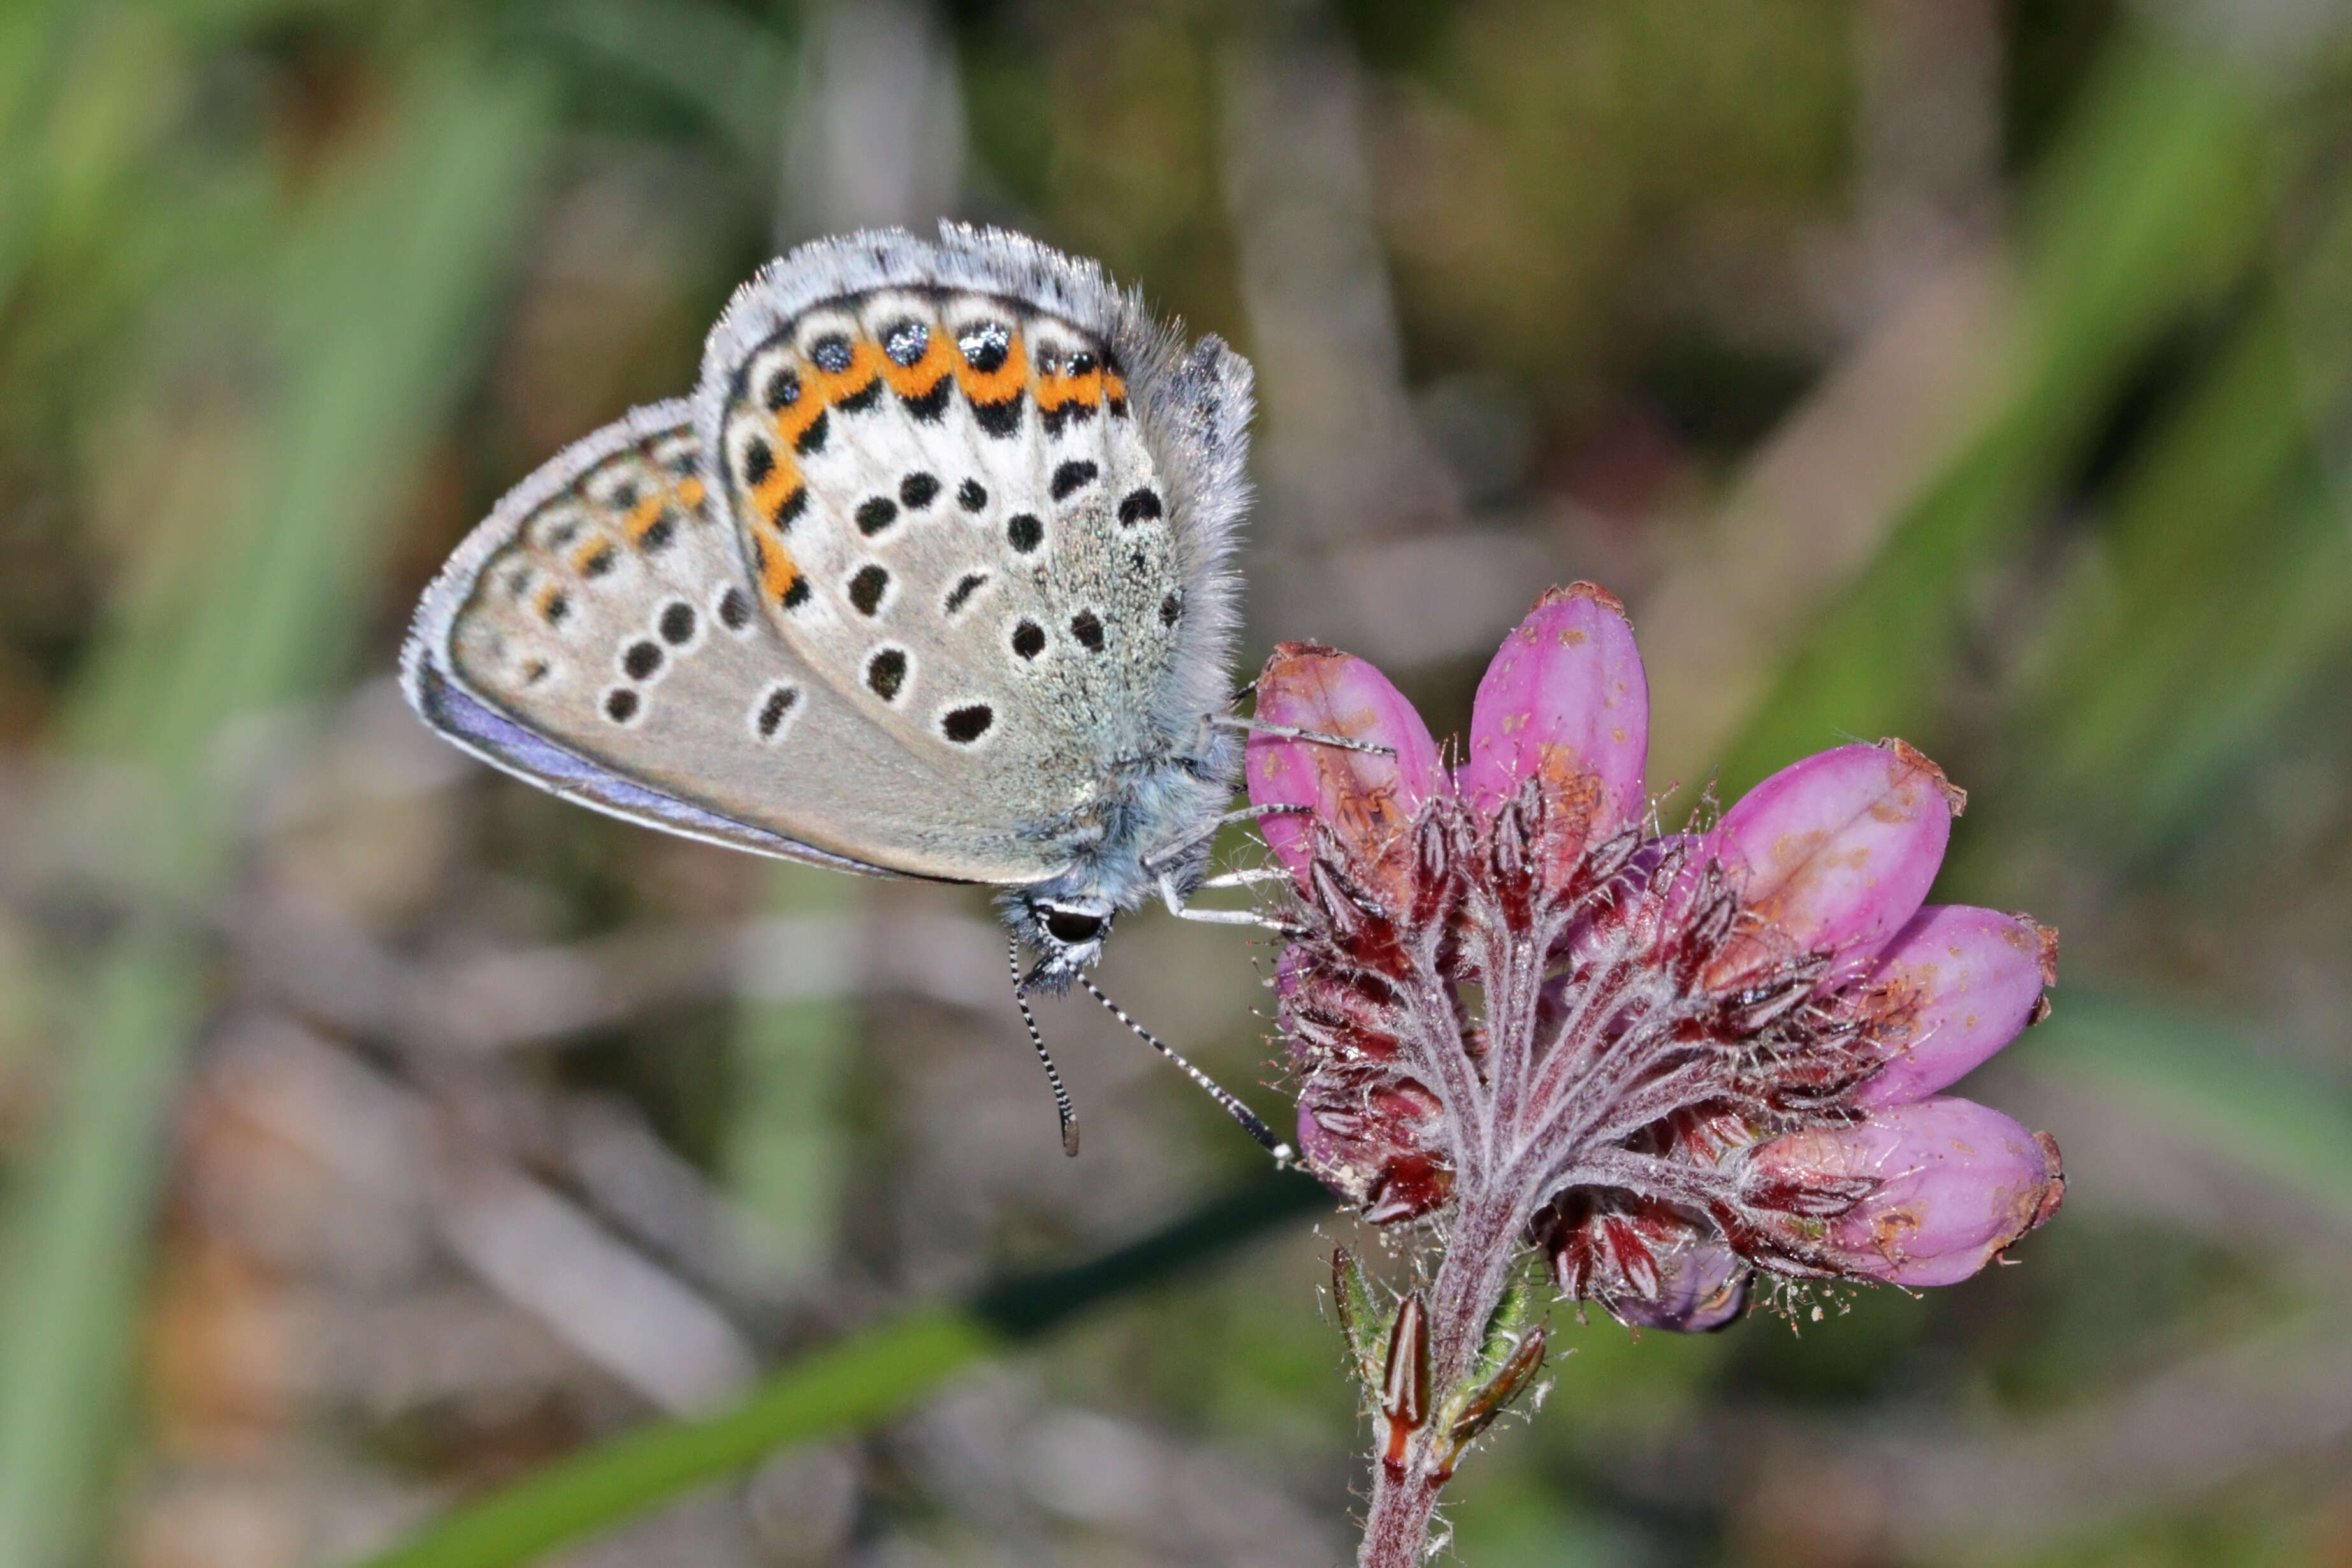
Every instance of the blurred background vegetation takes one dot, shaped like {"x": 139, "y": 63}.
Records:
{"x": 375, "y": 1133}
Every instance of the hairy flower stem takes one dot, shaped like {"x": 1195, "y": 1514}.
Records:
{"x": 1483, "y": 1244}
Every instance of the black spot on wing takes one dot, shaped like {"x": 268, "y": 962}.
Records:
{"x": 985, "y": 345}
{"x": 867, "y": 588}
{"x": 643, "y": 660}
{"x": 875, "y": 514}
{"x": 999, "y": 418}
{"x": 734, "y": 610}
{"x": 929, "y": 407}
{"x": 969, "y": 723}
{"x": 885, "y": 673}
{"x": 1024, "y": 532}
{"x": 1028, "y": 639}
{"x": 918, "y": 490}
{"x": 1070, "y": 475}
{"x": 1138, "y": 506}
{"x": 773, "y": 708}
{"x": 621, "y": 705}
{"x": 970, "y": 495}
{"x": 676, "y": 623}
{"x": 964, "y": 589}
{"x": 759, "y": 462}
{"x": 810, "y": 441}
{"x": 831, "y": 352}
{"x": 1087, "y": 627}
{"x": 905, "y": 342}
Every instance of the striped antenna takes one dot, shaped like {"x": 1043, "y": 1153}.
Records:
{"x": 1062, "y": 1105}
{"x": 1282, "y": 1152}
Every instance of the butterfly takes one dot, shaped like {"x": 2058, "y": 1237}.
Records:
{"x": 932, "y": 576}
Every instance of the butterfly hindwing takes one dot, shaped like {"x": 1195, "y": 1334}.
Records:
{"x": 951, "y": 514}
{"x": 598, "y": 636}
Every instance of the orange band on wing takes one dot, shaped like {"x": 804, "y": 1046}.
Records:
{"x": 642, "y": 518}
{"x": 769, "y": 494}
{"x": 690, "y": 494}
{"x": 777, "y": 573}
{"x": 793, "y": 419}
{"x": 866, "y": 361}
{"x": 1006, "y": 380}
{"x": 1055, "y": 391}
{"x": 917, "y": 380}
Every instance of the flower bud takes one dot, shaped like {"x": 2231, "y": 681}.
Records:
{"x": 1944, "y": 1185}
{"x": 1566, "y": 703}
{"x": 1702, "y": 1286}
{"x": 1952, "y": 988}
{"x": 1367, "y": 800}
{"x": 1833, "y": 855}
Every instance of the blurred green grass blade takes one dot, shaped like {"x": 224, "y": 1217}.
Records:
{"x": 2187, "y": 537}
{"x": 375, "y": 296}
{"x": 35, "y": 38}
{"x": 851, "y": 1385}
{"x": 2225, "y": 576}
{"x": 380, "y": 286}
{"x": 715, "y": 59}
{"x": 2156, "y": 199}
{"x": 2204, "y": 1082}
{"x": 74, "y": 1248}
{"x": 786, "y": 1149}
{"x": 843, "y": 1387}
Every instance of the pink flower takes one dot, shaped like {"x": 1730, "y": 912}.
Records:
{"x": 1668, "y": 1060}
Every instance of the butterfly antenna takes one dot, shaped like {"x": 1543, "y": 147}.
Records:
{"x": 1281, "y": 1152}
{"x": 1062, "y": 1105}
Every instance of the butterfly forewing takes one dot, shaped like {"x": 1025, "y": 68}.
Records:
{"x": 600, "y": 637}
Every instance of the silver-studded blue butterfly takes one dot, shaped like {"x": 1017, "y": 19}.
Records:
{"x": 930, "y": 578}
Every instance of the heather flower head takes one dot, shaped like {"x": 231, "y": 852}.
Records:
{"x": 1668, "y": 1061}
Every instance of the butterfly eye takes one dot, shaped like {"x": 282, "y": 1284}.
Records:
{"x": 1073, "y": 926}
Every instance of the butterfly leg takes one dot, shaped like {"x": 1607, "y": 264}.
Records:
{"x": 1247, "y": 878}
{"x": 1173, "y": 897}
{"x": 1291, "y": 733}
{"x": 1209, "y": 829}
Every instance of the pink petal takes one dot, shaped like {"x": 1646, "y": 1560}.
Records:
{"x": 1953, "y": 987}
{"x": 1835, "y": 853}
{"x": 1367, "y": 799}
{"x": 1956, "y": 1182}
{"x": 1565, "y": 699}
